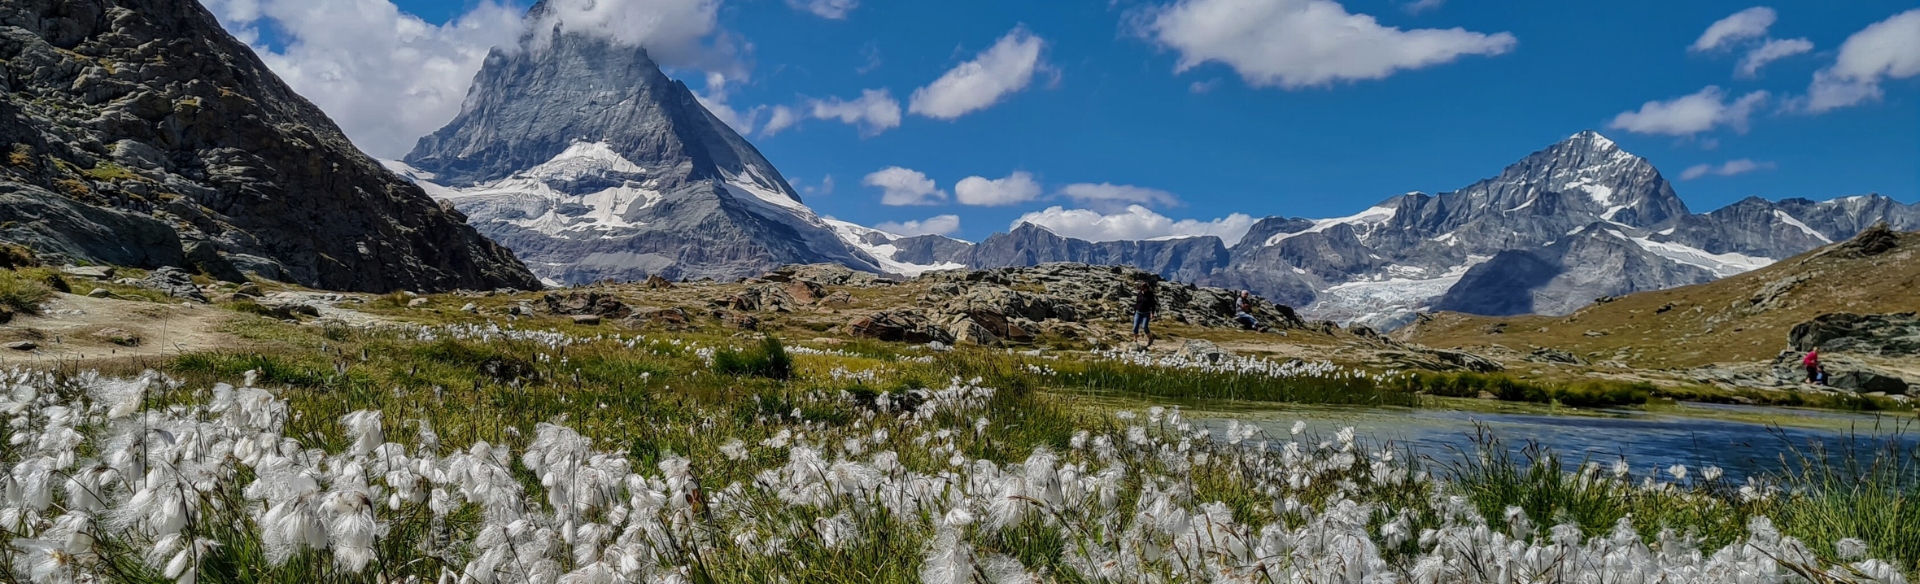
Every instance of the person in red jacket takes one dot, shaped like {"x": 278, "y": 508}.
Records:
{"x": 1812, "y": 362}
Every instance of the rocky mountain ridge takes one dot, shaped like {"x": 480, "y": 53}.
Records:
{"x": 140, "y": 133}
{"x": 1579, "y": 220}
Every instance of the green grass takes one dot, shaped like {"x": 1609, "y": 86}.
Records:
{"x": 22, "y": 292}
{"x": 768, "y": 359}
{"x": 1579, "y": 394}
{"x": 1821, "y": 497}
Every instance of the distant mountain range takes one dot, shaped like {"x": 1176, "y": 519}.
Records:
{"x": 585, "y": 159}
{"x": 1579, "y": 220}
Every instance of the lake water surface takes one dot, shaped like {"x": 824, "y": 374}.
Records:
{"x": 1741, "y": 440}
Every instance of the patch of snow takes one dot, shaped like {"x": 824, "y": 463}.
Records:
{"x": 753, "y": 183}
{"x": 1788, "y": 219}
{"x": 581, "y": 159}
{"x": 1667, "y": 231}
{"x": 1722, "y": 265}
{"x": 856, "y": 235}
{"x": 1387, "y": 298}
{"x": 1448, "y": 238}
{"x": 405, "y": 170}
{"x": 1523, "y": 206}
{"x": 1611, "y": 211}
{"x": 1367, "y": 221}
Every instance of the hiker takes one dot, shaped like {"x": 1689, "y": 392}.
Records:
{"x": 1144, "y": 305}
{"x": 1243, "y": 311}
{"x": 1812, "y": 362}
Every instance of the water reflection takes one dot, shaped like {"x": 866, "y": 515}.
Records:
{"x": 1696, "y": 435}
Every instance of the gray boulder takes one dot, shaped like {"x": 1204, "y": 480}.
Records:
{"x": 174, "y": 282}
{"x": 1869, "y": 334}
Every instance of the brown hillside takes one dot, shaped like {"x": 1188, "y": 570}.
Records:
{"x": 1742, "y": 318}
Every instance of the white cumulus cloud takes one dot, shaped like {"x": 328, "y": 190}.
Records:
{"x": 1134, "y": 223}
{"x": 1751, "y": 23}
{"x": 1691, "y": 114}
{"x": 783, "y": 117}
{"x": 385, "y": 76}
{"x": 1889, "y": 49}
{"x": 904, "y": 186}
{"x": 1109, "y": 196}
{"x": 676, "y": 33}
{"x": 1304, "y": 43}
{"x": 1016, "y": 188}
{"x": 388, "y": 77}
{"x": 828, "y": 9}
{"x": 936, "y": 225}
{"x": 1772, "y": 50}
{"x": 875, "y": 111}
{"x": 1005, "y": 68}
{"x": 1729, "y": 168}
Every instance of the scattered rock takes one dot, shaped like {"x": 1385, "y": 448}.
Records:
{"x": 416, "y": 303}
{"x": 470, "y": 307}
{"x": 586, "y": 319}
{"x": 738, "y": 320}
{"x": 22, "y": 345}
{"x": 248, "y": 289}
{"x": 586, "y": 302}
{"x": 94, "y": 272}
{"x": 1875, "y": 240}
{"x": 906, "y": 325}
{"x": 1205, "y": 351}
{"x": 174, "y": 282}
{"x": 100, "y": 293}
{"x": 1871, "y": 334}
{"x": 969, "y": 332}
{"x": 838, "y": 299}
{"x": 1546, "y": 355}
{"x": 669, "y": 318}
{"x": 1594, "y": 333}
{"x": 118, "y": 336}
{"x": 655, "y": 282}
{"x": 825, "y": 275}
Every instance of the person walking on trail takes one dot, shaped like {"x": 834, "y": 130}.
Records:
{"x": 1812, "y": 362}
{"x": 1145, "y": 303}
{"x": 1243, "y": 311}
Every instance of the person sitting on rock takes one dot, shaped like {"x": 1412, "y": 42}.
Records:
{"x": 1144, "y": 305}
{"x": 1243, "y": 311}
{"x": 1812, "y": 362}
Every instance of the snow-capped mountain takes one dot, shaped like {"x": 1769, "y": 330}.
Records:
{"x": 587, "y": 161}
{"x": 1573, "y": 222}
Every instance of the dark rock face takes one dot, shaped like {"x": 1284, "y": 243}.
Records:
{"x": 140, "y": 131}
{"x": 1872, "y": 334}
{"x": 1565, "y": 276}
{"x": 591, "y": 164}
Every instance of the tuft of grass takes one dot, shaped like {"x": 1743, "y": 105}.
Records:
{"x": 110, "y": 172}
{"x": 769, "y": 359}
{"x": 22, "y": 293}
{"x": 14, "y": 256}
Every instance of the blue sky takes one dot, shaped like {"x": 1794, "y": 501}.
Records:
{"x": 1211, "y": 116}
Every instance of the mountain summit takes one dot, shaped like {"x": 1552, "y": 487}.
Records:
{"x": 577, "y": 152}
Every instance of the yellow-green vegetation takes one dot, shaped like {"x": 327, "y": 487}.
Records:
{"x": 22, "y": 291}
{"x": 15, "y": 256}
{"x": 72, "y": 187}
{"x": 21, "y": 156}
{"x": 106, "y": 171}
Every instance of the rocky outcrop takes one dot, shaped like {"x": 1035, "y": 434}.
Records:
{"x": 139, "y": 133}
{"x": 904, "y": 325}
{"x": 1868, "y": 334}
